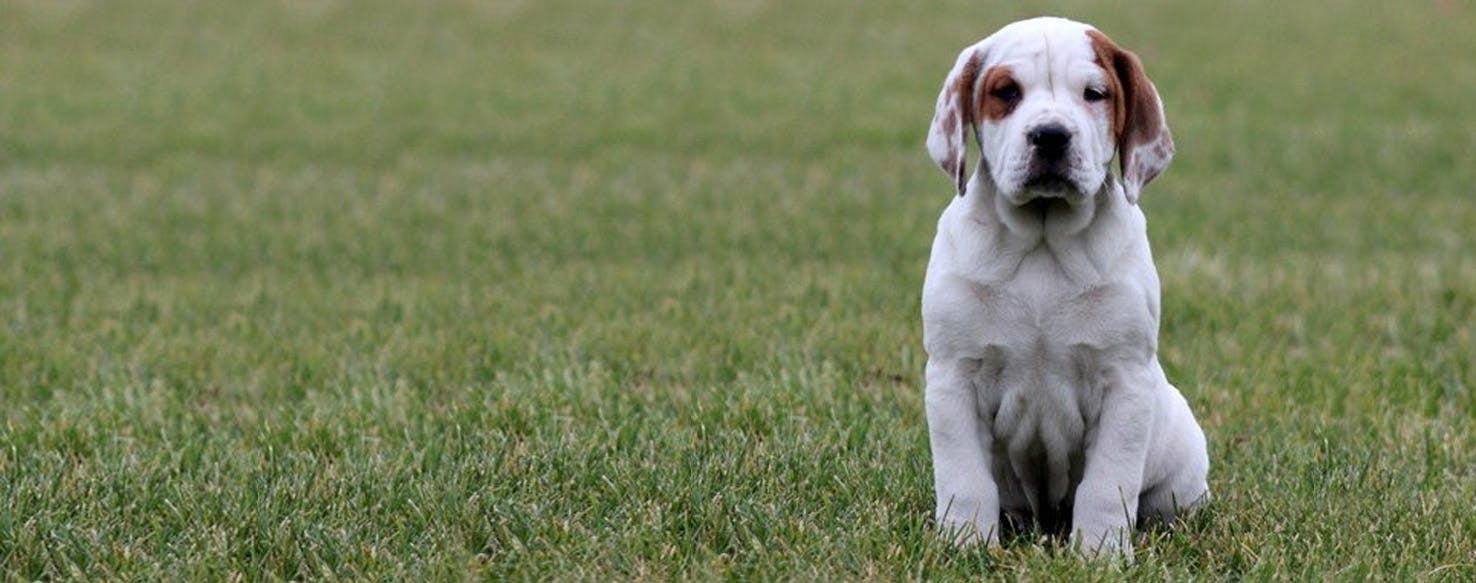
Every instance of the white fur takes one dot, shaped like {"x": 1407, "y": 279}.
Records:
{"x": 1040, "y": 319}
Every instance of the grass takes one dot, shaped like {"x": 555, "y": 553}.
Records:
{"x": 529, "y": 290}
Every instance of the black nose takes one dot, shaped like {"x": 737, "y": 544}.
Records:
{"x": 1050, "y": 140}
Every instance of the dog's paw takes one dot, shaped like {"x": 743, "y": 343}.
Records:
{"x": 1111, "y": 544}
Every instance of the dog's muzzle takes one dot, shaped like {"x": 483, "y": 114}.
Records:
{"x": 1050, "y": 171}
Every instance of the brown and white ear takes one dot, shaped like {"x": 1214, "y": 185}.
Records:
{"x": 1144, "y": 144}
{"x": 948, "y": 135}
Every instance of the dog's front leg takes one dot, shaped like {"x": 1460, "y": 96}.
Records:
{"x": 1107, "y": 499}
{"x": 967, "y": 497}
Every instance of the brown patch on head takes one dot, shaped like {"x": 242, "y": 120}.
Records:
{"x": 996, "y": 103}
{"x": 1144, "y": 144}
{"x": 1107, "y": 51}
{"x": 1136, "y": 118}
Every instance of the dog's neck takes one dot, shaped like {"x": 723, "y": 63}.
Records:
{"x": 1077, "y": 234}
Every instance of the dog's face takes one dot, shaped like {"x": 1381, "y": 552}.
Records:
{"x": 1051, "y": 101}
{"x": 1045, "y": 128}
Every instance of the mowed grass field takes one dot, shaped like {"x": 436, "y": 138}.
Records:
{"x": 520, "y": 290}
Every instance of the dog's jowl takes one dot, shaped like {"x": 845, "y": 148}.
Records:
{"x": 1047, "y": 408}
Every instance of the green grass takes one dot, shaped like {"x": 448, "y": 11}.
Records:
{"x": 591, "y": 290}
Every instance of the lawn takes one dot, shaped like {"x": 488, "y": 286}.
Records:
{"x": 516, "y": 290}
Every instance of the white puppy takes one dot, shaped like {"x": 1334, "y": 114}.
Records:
{"x": 1046, "y": 403}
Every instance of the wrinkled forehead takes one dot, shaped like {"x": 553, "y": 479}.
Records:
{"x": 1045, "y": 48}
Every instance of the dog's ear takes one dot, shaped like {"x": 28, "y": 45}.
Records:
{"x": 954, "y": 116}
{"x": 1144, "y": 144}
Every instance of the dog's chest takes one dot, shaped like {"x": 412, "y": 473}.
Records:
{"x": 1047, "y": 356}
{"x": 1045, "y": 329}
{"x": 1048, "y": 350}
{"x": 1037, "y": 319}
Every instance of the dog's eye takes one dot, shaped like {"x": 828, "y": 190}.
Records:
{"x": 1093, "y": 94}
{"x": 1007, "y": 92}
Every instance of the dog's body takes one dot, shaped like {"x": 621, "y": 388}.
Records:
{"x": 1046, "y": 403}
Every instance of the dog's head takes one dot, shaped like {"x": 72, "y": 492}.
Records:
{"x": 1051, "y": 101}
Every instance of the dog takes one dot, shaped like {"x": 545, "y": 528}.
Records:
{"x": 1046, "y": 405}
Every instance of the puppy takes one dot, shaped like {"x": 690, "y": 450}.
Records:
{"x": 1046, "y": 404}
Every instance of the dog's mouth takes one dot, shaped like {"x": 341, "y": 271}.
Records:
{"x": 1050, "y": 183}
{"x": 1041, "y": 206}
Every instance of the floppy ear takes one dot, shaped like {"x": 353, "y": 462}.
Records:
{"x": 1144, "y": 143}
{"x": 948, "y": 137}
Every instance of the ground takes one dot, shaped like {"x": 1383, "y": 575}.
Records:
{"x": 629, "y": 290}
